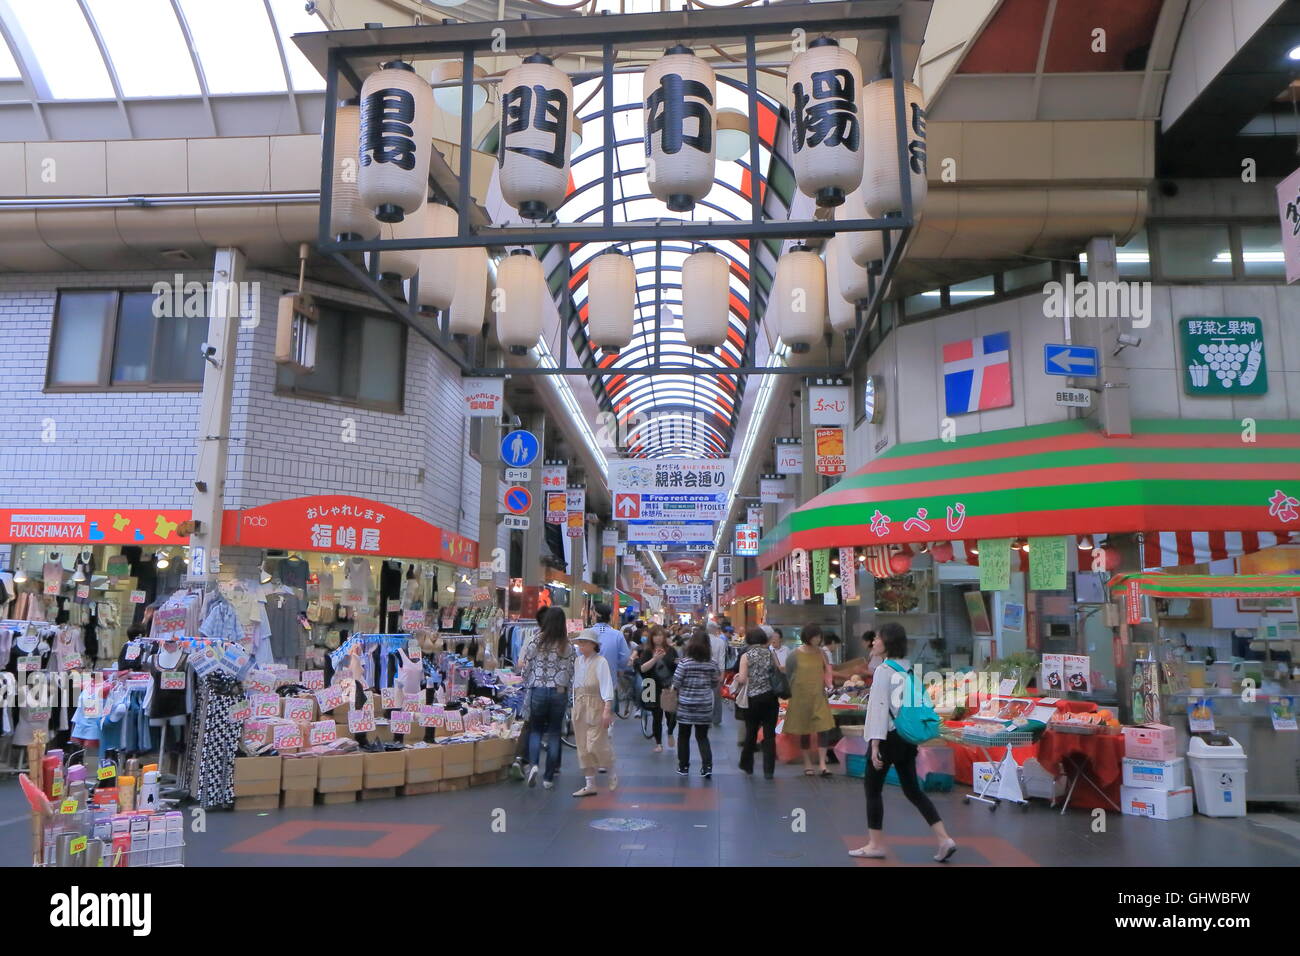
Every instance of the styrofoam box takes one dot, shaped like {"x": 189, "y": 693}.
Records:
{"x": 1151, "y": 742}
{"x": 1157, "y": 804}
{"x": 1155, "y": 774}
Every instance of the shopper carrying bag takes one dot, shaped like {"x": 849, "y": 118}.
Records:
{"x": 757, "y": 667}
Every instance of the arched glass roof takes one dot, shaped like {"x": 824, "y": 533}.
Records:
{"x": 692, "y": 415}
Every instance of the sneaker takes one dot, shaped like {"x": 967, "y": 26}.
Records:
{"x": 548, "y": 784}
{"x": 658, "y": 749}
{"x": 706, "y": 772}
{"x": 683, "y": 771}
{"x": 516, "y": 771}
{"x": 613, "y": 781}
{"x": 602, "y": 770}
{"x": 585, "y": 792}
{"x": 532, "y": 775}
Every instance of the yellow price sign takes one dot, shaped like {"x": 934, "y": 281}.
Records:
{"x": 69, "y": 805}
{"x": 106, "y": 773}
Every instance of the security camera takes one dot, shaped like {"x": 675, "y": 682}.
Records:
{"x": 209, "y": 353}
{"x": 1126, "y": 340}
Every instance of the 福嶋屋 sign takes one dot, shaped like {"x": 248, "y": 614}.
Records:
{"x": 830, "y": 451}
{"x": 669, "y": 532}
{"x": 746, "y": 540}
{"x": 92, "y": 526}
{"x": 670, "y": 476}
{"x": 484, "y": 397}
{"x": 828, "y": 404}
{"x": 634, "y": 507}
{"x": 345, "y": 524}
{"x": 1223, "y": 356}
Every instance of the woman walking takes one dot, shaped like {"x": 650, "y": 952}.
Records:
{"x": 656, "y": 661}
{"x": 547, "y": 668}
{"x": 593, "y": 712}
{"x": 808, "y": 714}
{"x": 755, "y": 675}
{"x": 695, "y": 679}
{"x": 888, "y": 688}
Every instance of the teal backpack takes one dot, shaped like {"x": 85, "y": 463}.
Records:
{"x": 916, "y": 722}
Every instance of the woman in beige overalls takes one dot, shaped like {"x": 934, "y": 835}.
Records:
{"x": 593, "y": 712}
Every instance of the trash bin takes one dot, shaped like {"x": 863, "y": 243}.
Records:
{"x": 1218, "y": 765}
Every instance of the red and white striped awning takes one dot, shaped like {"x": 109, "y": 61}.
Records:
{"x": 1177, "y": 549}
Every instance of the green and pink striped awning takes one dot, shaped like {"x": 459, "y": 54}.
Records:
{"x": 1065, "y": 478}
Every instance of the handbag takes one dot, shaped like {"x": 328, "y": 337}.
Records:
{"x": 780, "y": 682}
{"x": 668, "y": 700}
{"x": 740, "y": 694}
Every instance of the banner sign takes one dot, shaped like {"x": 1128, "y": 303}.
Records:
{"x": 830, "y": 451}
{"x": 828, "y": 404}
{"x": 789, "y": 457}
{"x": 670, "y": 476}
{"x": 995, "y": 564}
{"x": 684, "y": 595}
{"x": 821, "y": 571}
{"x": 848, "y": 575}
{"x": 555, "y": 477}
{"x": 1288, "y": 207}
{"x": 754, "y": 515}
{"x": 557, "y": 507}
{"x": 92, "y": 526}
{"x": 669, "y": 532}
{"x": 629, "y": 506}
{"x": 484, "y": 397}
{"x": 747, "y": 540}
{"x": 576, "y": 504}
{"x": 1223, "y": 356}
{"x": 345, "y": 524}
{"x": 1047, "y": 560}
{"x": 774, "y": 489}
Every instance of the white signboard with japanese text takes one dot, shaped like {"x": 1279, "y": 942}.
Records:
{"x": 670, "y": 532}
{"x": 747, "y": 537}
{"x": 828, "y": 405}
{"x": 670, "y": 476}
{"x": 774, "y": 490}
{"x": 1288, "y": 207}
{"x": 484, "y": 397}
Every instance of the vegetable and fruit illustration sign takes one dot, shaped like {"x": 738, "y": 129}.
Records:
{"x": 1223, "y": 357}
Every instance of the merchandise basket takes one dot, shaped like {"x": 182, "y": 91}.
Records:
{"x": 1004, "y": 784}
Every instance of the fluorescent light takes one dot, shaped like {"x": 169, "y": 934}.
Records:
{"x": 1293, "y": 53}
{"x": 1255, "y": 257}
{"x": 1129, "y": 257}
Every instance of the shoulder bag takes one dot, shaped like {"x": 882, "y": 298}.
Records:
{"x": 780, "y": 682}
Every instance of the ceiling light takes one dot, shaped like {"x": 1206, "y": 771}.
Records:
{"x": 733, "y": 134}
{"x": 1293, "y": 53}
{"x": 973, "y": 550}
{"x": 20, "y": 576}
{"x": 1085, "y": 542}
{"x": 448, "y": 98}
{"x": 265, "y": 576}
{"x": 162, "y": 560}
{"x": 79, "y": 575}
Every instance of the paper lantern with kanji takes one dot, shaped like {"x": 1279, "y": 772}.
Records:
{"x": 533, "y": 151}
{"x": 518, "y": 299}
{"x": 801, "y": 302}
{"x": 611, "y": 300}
{"x": 706, "y": 299}
{"x": 350, "y": 218}
{"x": 399, "y": 263}
{"x": 824, "y": 87}
{"x": 841, "y": 312}
{"x": 437, "y": 266}
{"x": 864, "y": 248}
{"x": 882, "y": 190}
{"x": 396, "y": 141}
{"x": 679, "y": 91}
{"x": 469, "y": 300}
{"x": 851, "y": 281}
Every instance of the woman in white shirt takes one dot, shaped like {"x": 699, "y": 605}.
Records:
{"x": 593, "y": 712}
{"x": 888, "y": 686}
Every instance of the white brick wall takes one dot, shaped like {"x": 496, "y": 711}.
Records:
{"x": 136, "y": 449}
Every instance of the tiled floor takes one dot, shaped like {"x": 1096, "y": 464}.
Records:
{"x": 731, "y": 820}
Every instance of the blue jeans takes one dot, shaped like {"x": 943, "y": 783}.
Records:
{"x": 546, "y": 706}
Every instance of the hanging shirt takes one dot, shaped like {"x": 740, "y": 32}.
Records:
{"x": 293, "y": 573}
{"x": 357, "y": 590}
{"x": 282, "y": 610}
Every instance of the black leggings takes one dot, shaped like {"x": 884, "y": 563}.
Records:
{"x": 902, "y": 755}
{"x": 658, "y": 725}
{"x": 684, "y": 746}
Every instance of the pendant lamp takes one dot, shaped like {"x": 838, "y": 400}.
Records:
{"x": 802, "y": 309}
{"x": 437, "y": 266}
{"x": 679, "y": 92}
{"x": 533, "y": 155}
{"x": 396, "y": 139}
{"x": 706, "y": 299}
{"x": 841, "y": 312}
{"x": 469, "y": 301}
{"x": 882, "y": 191}
{"x": 611, "y": 300}
{"x": 863, "y": 248}
{"x": 824, "y": 86}
{"x": 517, "y": 301}
{"x": 350, "y": 218}
{"x": 399, "y": 263}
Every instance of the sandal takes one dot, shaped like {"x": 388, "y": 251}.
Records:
{"x": 824, "y": 773}
{"x": 810, "y": 773}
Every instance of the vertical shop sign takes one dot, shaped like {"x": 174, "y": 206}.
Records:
{"x": 995, "y": 564}
{"x": 803, "y": 575}
{"x": 557, "y": 507}
{"x": 1047, "y": 558}
{"x": 1288, "y": 207}
{"x": 821, "y": 571}
{"x": 1133, "y": 601}
{"x": 848, "y": 575}
{"x": 754, "y": 515}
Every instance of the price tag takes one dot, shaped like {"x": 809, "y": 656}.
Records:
{"x": 360, "y": 721}
{"x": 330, "y": 697}
{"x": 132, "y": 652}
{"x": 69, "y": 805}
{"x": 53, "y": 587}
{"x": 391, "y": 698}
{"x": 239, "y": 712}
{"x": 28, "y": 663}
{"x": 83, "y": 591}
{"x": 299, "y": 708}
{"x": 137, "y": 597}
{"x": 394, "y": 605}
{"x": 312, "y": 680}
{"x": 173, "y": 680}
{"x": 77, "y": 846}
{"x": 285, "y": 736}
{"x": 56, "y": 789}
{"x": 413, "y": 649}
{"x": 322, "y": 732}
{"x": 73, "y": 662}
{"x": 261, "y": 681}
{"x": 39, "y": 715}
{"x": 106, "y": 773}
{"x": 454, "y": 721}
{"x": 266, "y": 705}
{"x": 400, "y": 721}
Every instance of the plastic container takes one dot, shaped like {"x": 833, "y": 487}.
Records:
{"x": 1218, "y": 765}
{"x": 855, "y": 765}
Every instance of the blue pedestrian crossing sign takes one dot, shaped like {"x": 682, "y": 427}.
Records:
{"x": 519, "y": 449}
{"x": 1078, "y": 360}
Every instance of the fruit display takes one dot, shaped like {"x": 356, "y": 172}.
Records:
{"x": 1101, "y": 721}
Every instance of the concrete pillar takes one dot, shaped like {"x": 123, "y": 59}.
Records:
{"x": 535, "y": 536}
{"x": 214, "y": 414}
{"x": 489, "y": 518}
{"x": 1113, "y": 407}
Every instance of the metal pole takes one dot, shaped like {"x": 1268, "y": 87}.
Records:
{"x": 608, "y": 82}
{"x": 327, "y": 150}
{"x": 900, "y": 119}
{"x": 466, "y": 136}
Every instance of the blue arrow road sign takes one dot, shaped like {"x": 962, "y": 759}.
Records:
{"x": 1078, "y": 360}
{"x": 519, "y": 449}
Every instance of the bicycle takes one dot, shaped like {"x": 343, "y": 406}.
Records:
{"x": 624, "y": 696}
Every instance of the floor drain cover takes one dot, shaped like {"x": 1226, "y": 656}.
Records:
{"x": 623, "y": 824}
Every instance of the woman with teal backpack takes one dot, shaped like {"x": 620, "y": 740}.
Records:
{"x": 896, "y": 721}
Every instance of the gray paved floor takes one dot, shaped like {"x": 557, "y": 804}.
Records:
{"x": 732, "y": 820}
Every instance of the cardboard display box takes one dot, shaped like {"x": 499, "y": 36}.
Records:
{"x": 1150, "y": 742}
{"x": 423, "y": 764}
{"x": 267, "y": 802}
{"x": 384, "y": 770}
{"x": 420, "y": 789}
{"x": 453, "y": 783}
{"x": 1157, "y": 804}
{"x": 492, "y": 753}
{"x": 257, "y": 776}
{"x": 1155, "y": 774}
{"x": 297, "y": 799}
{"x": 457, "y": 760}
{"x": 299, "y": 774}
{"x": 483, "y": 779}
{"x": 341, "y": 773}
{"x": 345, "y": 796}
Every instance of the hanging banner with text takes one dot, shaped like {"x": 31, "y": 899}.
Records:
{"x": 803, "y": 574}
{"x": 555, "y": 477}
{"x": 557, "y": 507}
{"x": 821, "y": 571}
{"x": 789, "y": 458}
{"x": 830, "y": 451}
{"x": 995, "y": 564}
{"x": 754, "y": 515}
{"x": 577, "y": 508}
{"x": 747, "y": 537}
{"x": 1047, "y": 558}
{"x": 670, "y": 476}
{"x": 484, "y": 397}
{"x": 848, "y": 575}
{"x": 774, "y": 490}
{"x": 828, "y": 405}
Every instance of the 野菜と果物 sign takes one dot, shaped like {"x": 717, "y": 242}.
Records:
{"x": 1223, "y": 356}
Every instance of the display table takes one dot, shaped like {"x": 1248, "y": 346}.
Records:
{"x": 964, "y": 755}
{"x": 1093, "y": 762}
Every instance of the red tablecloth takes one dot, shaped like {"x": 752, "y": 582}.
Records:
{"x": 965, "y": 755}
{"x": 1102, "y": 756}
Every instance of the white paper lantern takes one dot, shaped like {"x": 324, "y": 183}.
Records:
{"x": 706, "y": 299}
{"x": 396, "y": 141}
{"x": 801, "y": 310}
{"x": 437, "y": 266}
{"x": 679, "y": 91}
{"x": 824, "y": 85}
{"x": 470, "y": 298}
{"x": 851, "y": 280}
{"x": 350, "y": 218}
{"x": 611, "y": 300}
{"x": 863, "y": 248}
{"x": 518, "y": 301}
{"x": 839, "y": 310}
{"x": 399, "y": 263}
{"x": 533, "y": 153}
{"x": 882, "y": 191}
